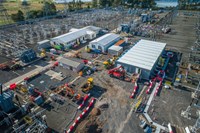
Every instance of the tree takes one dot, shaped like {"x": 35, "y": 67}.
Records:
{"x": 88, "y": 5}
{"x": 104, "y": 3}
{"x": 141, "y": 3}
{"x": 79, "y": 4}
{"x": 49, "y": 9}
{"x": 34, "y": 14}
{"x": 19, "y": 16}
{"x": 116, "y": 2}
{"x": 94, "y": 3}
{"x": 74, "y": 4}
{"x": 25, "y": 3}
{"x": 70, "y": 6}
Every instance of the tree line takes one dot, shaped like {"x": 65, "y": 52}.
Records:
{"x": 49, "y": 8}
{"x": 127, "y": 3}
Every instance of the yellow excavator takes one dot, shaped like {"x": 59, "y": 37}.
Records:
{"x": 88, "y": 85}
{"x": 110, "y": 62}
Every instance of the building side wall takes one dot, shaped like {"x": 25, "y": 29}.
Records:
{"x": 80, "y": 67}
{"x": 91, "y": 36}
{"x": 153, "y": 68}
{"x": 68, "y": 44}
{"x": 145, "y": 74}
{"x": 104, "y": 48}
{"x": 114, "y": 52}
{"x": 75, "y": 69}
{"x": 44, "y": 46}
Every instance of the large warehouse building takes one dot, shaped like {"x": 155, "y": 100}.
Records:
{"x": 142, "y": 57}
{"x": 76, "y": 36}
{"x": 104, "y": 42}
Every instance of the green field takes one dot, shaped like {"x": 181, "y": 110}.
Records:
{"x": 13, "y": 6}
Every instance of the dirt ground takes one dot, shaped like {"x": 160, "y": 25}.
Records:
{"x": 115, "y": 106}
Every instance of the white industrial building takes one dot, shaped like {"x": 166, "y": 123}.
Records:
{"x": 76, "y": 36}
{"x": 71, "y": 64}
{"x": 115, "y": 50}
{"x": 142, "y": 57}
{"x": 104, "y": 42}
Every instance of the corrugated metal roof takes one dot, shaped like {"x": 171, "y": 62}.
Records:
{"x": 73, "y": 35}
{"x": 119, "y": 42}
{"x": 105, "y": 39}
{"x": 93, "y": 28}
{"x": 115, "y": 48}
{"x": 69, "y": 62}
{"x": 44, "y": 41}
{"x": 143, "y": 55}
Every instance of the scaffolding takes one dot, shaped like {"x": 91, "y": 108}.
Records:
{"x": 37, "y": 124}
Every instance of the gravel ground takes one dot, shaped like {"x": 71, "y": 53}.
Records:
{"x": 168, "y": 106}
{"x": 183, "y": 34}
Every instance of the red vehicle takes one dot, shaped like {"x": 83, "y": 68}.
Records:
{"x": 34, "y": 94}
{"x": 4, "y": 67}
{"x": 117, "y": 72}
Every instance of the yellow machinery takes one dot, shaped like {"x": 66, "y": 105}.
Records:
{"x": 28, "y": 120}
{"x": 87, "y": 49}
{"x": 161, "y": 61}
{"x": 138, "y": 104}
{"x": 110, "y": 62}
{"x": 22, "y": 88}
{"x": 107, "y": 64}
{"x": 43, "y": 53}
{"x": 88, "y": 86}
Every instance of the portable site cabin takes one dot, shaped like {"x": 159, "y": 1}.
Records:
{"x": 76, "y": 36}
{"x": 115, "y": 50}
{"x": 142, "y": 57}
{"x": 104, "y": 42}
{"x": 71, "y": 64}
